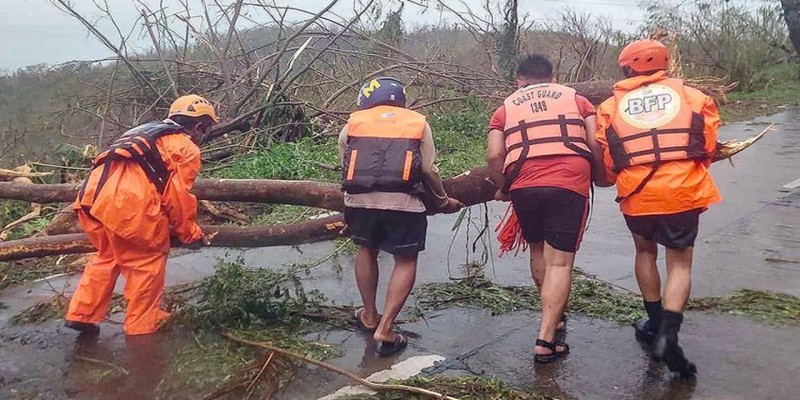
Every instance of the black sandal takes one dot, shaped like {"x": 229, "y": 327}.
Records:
{"x": 359, "y": 323}
{"x": 387, "y": 349}
{"x": 552, "y": 346}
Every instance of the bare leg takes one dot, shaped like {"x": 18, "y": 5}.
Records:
{"x": 646, "y": 269}
{"x": 367, "y": 281}
{"x": 555, "y": 292}
{"x": 400, "y": 285}
{"x": 679, "y": 279}
{"x": 537, "y": 264}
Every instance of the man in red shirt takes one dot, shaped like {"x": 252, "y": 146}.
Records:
{"x": 539, "y": 153}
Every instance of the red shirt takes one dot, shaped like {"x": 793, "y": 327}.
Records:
{"x": 566, "y": 172}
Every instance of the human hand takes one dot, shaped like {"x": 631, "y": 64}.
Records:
{"x": 500, "y": 196}
{"x": 451, "y": 206}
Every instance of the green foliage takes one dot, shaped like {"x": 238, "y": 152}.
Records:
{"x": 42, "y": 312}
{"x": 508, "y": 40}
{"x": 298, "y": 161}
{"x": 589, "y": 296}
{"x": 237, "y": 296}
{"x": 16, "y": 272}
{"x": 203, "y": 367}
{"x": 11, "y": 210}
{"x": 460, "y": 137}
{"x": 465, "y": 388}
{"x": 777, "y": 85}
{"x": 287, "y": 214}
{"x": 770, "y": 307}
{"x": 723, "y": 38}
{"x": 391, "y": 31}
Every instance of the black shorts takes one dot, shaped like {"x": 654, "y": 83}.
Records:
{"x": 554, "y": 215}
{"x": 673, "y": 231}
{"x": 395, "y": 232}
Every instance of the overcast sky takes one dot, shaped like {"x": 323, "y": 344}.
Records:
{"x": 35, "y": 31}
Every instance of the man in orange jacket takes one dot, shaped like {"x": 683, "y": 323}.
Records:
{"x": 137, "y": 195}
{"x": 540, "y": 155}
{"x": 658, "y": 137}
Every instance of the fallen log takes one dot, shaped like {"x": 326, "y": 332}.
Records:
{"x": 9, "y": 174}
{"x": 223, "y": 236}
{"x": 472, "y": 187}
{"x": 469, "y": 187}
{"x": 36, "y": 208}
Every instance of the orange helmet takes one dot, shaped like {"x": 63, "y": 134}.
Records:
{"x": 645, "y": 55}
{"x": 193, "y": 105}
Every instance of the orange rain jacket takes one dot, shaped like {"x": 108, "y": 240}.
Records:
{"x": 676, "y": 186}
{"x": 130, "y": 223}
{"x": 131, "y": 207}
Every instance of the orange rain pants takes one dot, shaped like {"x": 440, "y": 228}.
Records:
{"x": 130, "y": 225}
{"x": 142, "y": 268}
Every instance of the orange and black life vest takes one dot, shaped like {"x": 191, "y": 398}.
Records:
{"x": 653, "y": 124}
{"x": 138, "y": 145}
{"x": 542, "y": 120}
{"x": 383, "y": 151}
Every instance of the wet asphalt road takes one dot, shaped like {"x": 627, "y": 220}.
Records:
{"x": 750, "y": 240}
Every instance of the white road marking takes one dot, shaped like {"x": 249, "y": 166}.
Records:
{"x": 791, "y": 185}
{"x": 402, "y": 370}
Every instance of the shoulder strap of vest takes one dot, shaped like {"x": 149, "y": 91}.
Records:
{"x": 569, "y": 142}
{"x": 149, "y": 159}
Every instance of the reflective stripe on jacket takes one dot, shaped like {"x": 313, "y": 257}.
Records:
{"x": 383, "y": 151}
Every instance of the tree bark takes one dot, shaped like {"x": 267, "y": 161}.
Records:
{"x": 791, "y": 14}
{"x": 226, "y": 236}
{"x": 470, "y": 187}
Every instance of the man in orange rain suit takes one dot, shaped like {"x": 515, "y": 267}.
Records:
{"x": 137, "y": 195}
{"x": 658, "y": 137}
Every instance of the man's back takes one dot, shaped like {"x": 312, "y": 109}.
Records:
{"x": 676, "y": 186}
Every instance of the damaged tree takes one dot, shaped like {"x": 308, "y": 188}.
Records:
{"x": 472, "y": 187}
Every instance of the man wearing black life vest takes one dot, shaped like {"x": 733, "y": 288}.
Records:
{"x": 658, "y": 137}
{"x": 388, "y": 156}
{"x": 539, "y": 153}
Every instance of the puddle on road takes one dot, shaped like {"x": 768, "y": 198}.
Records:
{"x": 606, "y": 362}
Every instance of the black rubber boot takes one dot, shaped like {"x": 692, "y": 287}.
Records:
{"x": 645, "y": 331}
{"x": 666, "y": 346}
{"x": 83, "y": 327}
{"x": 647, "y": 328}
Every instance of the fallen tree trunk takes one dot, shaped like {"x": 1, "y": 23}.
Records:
{"x": 224, "y": 236}
{"x": 472, "y": 187}
{"x": 469, "y": 187}
{"x": 21, "y": 172}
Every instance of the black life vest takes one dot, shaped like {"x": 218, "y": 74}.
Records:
{"x": 138, "y": 145}
{"x": 383, "y": 151}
